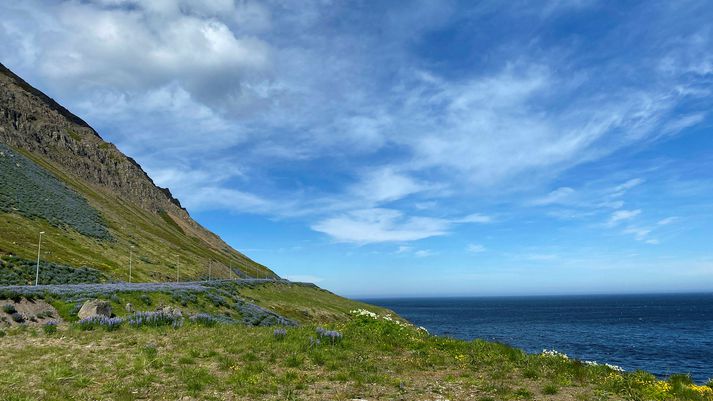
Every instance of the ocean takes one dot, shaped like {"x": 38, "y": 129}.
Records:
{"x": 662, "y": 334}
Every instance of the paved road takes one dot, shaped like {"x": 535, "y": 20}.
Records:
{"x": 114, "y": 287}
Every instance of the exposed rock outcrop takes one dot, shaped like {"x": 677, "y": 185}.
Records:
{"x": 94, "y": 307}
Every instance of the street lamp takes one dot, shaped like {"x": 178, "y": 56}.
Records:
{"x": 131, "y": 253}
{"x": 37, "y": 273}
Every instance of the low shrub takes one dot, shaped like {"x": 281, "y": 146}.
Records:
{"x": 146, "y": 299}
{"x": 550, "y": 389}
{"x": 17, "y": 317}
{"x": 9, "y": 308}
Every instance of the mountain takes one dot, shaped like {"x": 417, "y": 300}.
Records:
{"x": 94, "y": 204}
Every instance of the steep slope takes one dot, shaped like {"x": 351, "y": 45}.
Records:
{"x": 94, "y": 204}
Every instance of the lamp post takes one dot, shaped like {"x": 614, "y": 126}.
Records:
{"x": 178, "y": 267}
{"x": 210, "y": 266}
{"x": 131, "y": 253}
{"x": 37, "y": 273}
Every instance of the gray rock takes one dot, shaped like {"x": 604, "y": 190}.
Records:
{"x": 169, "y": 310}
{"x": 94, "y": 307}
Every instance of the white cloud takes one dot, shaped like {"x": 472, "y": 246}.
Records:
{"x": 475, "y": 248}
{"x": 419, "y": 253}
{"x": 380, "y": 225}
{"x": 475, "y": 218}
{"x": 385, "y": 185}
{"x": 621, "y": 189}
{"x": 667, "y": 221}
{"x": 374, "y": 225}
{"x": 404, "y": 249}
{"x": 622, "y": 215}
{"x": 559, "y": 195}
{"x": 676, "y": 125}
{"x": 422, "y": 253}
{"x": 639, "y": 233}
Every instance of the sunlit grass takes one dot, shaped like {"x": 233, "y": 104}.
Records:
{"x": 375, "y": 359}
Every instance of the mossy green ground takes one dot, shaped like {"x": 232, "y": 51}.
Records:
{"x": 376, "y": 359}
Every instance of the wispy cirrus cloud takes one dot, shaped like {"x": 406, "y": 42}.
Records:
{"x": 475, "y": 248}
{"x": 385, "y": 225}
{"x": 622, "y": 215}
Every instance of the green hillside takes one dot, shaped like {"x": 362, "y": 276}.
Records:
{"x": 95, "y": 205}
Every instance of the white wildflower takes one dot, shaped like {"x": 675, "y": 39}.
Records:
{"x": 554, "y": 353}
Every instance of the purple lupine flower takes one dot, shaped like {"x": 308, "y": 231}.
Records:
{"x": 108, "y": 323}
{"x": 155, "y": 319}
{"x": 333, "y": 335}
{"x": 279, "y": 333}
{"x": 204, "y": 319}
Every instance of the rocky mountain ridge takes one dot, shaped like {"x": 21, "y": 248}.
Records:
{"x": 43, "y": 130}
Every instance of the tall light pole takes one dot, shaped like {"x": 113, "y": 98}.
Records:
{"x": 178, "y": 267}
{"x": 37, "y": 273}
{"x": 210, "y": 265}
{"x": 131, "y": 253}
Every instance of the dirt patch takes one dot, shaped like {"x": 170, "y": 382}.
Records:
{"x": 31, "y": 312}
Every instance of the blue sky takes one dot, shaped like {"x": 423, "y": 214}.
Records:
{"x": 408, "y": 148}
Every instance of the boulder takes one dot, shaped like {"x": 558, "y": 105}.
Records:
{"x": 94, "y": 307}
{"x": 169, "y": 310}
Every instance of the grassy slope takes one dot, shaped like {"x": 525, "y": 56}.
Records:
{"x": 157, "y": 240}
{"x": 376, "y": 359}
{"x": 302, "y": 303}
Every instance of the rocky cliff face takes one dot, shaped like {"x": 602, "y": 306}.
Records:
{"x": 33, "y": 122}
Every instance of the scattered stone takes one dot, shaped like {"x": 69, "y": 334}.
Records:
{"x": 129, "y": 308}
{"x": 169, "y": 310}
{"x": 94, "y": 307}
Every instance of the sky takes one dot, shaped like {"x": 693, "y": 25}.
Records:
{"x": 408, "y": 148}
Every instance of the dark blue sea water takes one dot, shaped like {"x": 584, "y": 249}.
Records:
{"x": 662, "y": 334}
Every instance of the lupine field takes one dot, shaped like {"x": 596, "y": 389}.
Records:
{"x": 31, "y": 191}
{"x": 17, "y": 271}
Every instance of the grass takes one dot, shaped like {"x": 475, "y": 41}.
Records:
{"x": 376, "y": 359}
